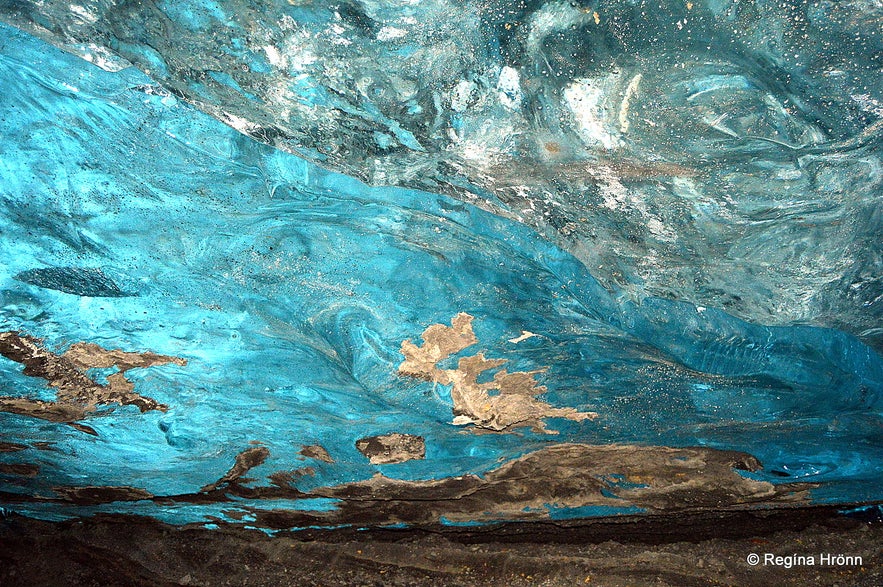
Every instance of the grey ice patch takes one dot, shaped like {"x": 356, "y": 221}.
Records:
{"x": 80, "y": 281}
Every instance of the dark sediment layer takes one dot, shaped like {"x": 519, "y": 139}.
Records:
{"x": 681, "y": 549}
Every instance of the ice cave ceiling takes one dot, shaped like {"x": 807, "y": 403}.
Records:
{"x": 299, "y": 263}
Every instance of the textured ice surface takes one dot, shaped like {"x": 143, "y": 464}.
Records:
{"x": 718, "y": 152}
{"x": 666, "y": 214}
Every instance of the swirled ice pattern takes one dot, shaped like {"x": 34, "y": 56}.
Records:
{"x": 718, "y": 152}
{"x": 133, "y": 220}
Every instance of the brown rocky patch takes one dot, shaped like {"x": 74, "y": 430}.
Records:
{"x": 392, "y": 448}
{"x": 77, "y": 395}
{"x": 508, "y": 401}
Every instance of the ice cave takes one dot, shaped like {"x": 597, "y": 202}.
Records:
{"x": 281, "y": 266}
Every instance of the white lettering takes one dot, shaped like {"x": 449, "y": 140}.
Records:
{"x": 791, "y": 560}
{"x": 839, "y": 560}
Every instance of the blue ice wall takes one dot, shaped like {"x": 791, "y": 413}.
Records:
{"x": 132, "y": 220}
{"x": 721, "y": 153}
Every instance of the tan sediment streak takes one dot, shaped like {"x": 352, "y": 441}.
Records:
{"x": 630, "y": 91}
{"x": 513, "y": 403}
{"x": 77, "y": 395}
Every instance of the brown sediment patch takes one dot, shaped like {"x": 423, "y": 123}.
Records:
{"x": 513, "y": 403}
{"x": 51, "y": 411}
{"x": 19, "y": 469}
{"x": 318, "y": 452}
{"x": 509, "y": 173}
{"x": 235, "y": 514}
{"x": 286, "y": 479}
{"x": 83, "y": 428}
{"x": 633, "y": 170}
{"x": 245, "y": 461}
{"x": 519, "y": 171}
{"x": 77, "y": 395}
{"x": 439, "y": 343}
{"x": 97, "y": 495}
{"x": 392, "y": 448}
{"x": 552, "y": 147}
{"x": 567, "y": 476}
{"x": 12, "y": 447}
{"x": 561, "y": 476}
{"x": 84, "y": 355}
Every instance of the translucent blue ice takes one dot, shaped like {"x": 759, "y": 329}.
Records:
{"x": 289, "y": 289}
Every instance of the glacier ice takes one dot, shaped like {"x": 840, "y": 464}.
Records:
{"x": 719, "y": 153}
{"x": 681, "y": 202}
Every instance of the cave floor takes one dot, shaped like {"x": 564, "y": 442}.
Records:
{"x": 680, "y": 550}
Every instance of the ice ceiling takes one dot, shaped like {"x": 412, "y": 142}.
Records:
{"x": 302, "y": 263}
